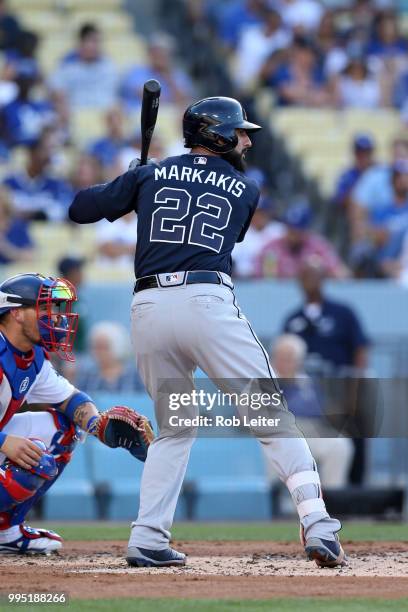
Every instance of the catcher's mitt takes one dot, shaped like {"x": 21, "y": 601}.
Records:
{"x": 123, "y": 427}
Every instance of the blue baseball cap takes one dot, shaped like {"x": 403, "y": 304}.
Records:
{"x": 298, "y": 215}
{"x": 363, "y": 142}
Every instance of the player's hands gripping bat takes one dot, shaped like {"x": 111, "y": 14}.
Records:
{"x": 123, "y": 427}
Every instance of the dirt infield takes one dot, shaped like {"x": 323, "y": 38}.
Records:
{"x": 239, "y": 570}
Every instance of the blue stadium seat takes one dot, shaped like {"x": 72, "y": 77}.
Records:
{"x": 229, "y": 476}
{"x": 121, "y": 473}
{"x": 72, "y": 496}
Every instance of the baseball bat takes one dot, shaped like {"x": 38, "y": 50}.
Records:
{"x": 150, "y": 108}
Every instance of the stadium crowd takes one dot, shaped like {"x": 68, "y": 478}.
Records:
{"x": 42, "y": 164}
{"x": 318, "y": 55}
{"x": 351, "y": 55}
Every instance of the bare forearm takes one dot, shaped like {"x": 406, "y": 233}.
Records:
{"x": 84, "y": 413}
{"x": 80, "y": 409}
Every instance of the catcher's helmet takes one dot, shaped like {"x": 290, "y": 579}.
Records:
{"x": 53, "y": 299}
{"x": 211, "y": 123}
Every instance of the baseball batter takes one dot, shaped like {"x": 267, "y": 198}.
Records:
{"x": 192, "y": 209}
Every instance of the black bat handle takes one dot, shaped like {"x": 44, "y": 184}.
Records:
{"x": 150, "y": 107}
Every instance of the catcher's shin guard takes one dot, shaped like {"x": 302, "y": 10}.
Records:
{"x": 20, "y": 489}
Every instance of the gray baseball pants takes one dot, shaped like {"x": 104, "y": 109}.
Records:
{"x": 176, "y": 329}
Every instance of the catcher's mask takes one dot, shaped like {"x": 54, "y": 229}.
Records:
{"x": 53, "y": 299}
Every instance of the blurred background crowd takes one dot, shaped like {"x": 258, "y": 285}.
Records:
{"x": 71, "y": 75}
{"x": 328, "y": 80}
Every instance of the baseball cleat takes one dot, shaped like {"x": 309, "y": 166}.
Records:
{"x": 33, "y": 541}
{"x": 326, "y": 553}
{"x": 143, "y": 557}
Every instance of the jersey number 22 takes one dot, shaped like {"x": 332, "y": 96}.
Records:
{"x": 172, "y": 223}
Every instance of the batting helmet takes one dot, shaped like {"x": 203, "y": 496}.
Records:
{"x": 53, "y": 299}
{"x": 211, "y": 123}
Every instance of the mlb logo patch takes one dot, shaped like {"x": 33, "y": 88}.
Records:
{"x": 200, "y": 161}
{"x": 172, "y": 278}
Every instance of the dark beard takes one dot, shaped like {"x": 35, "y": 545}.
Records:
{"x": 236, "y": 160}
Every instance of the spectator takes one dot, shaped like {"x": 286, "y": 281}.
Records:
{"x": 373, "y": 192}
{"x": 176, "y": 85}
{"x": 35, "y": 192}
{"x": 262, "y": 230}
{"x": 156, "y": 151}
{"x": 330, "y": 46}
{"x": 284, "y": 257}
{"x": 397, "y": 207}
{"x": 360, "y": 14}
{"x": 363, "y": 151}
{"x": 110, "y": 370}
{"x": 298, "y": 78}
{"x": 230, "y": 18}
{"x": 24, "y": 55}
{"x": 301, "y": 16}
{"x": 87, "y": 77}
{"x": 9, "y": 28}
{"x": 15, "y": 241}
{"x": 335, "y": 339}
{"x": 26, "y": 117}
{"x": 400, "y": 92}
{"x": 107, "y": 149}
{"x": 6, "y": 78}
{"x": 379, "y": 252}
{"x": 401, "y": 270}
{"x": 387, "y": 40}
{"x": 117, "y": 241}
{"x": 72, "y": 268}
{"x": 131, "y": 152}
{"x": 87, "y": 172}
{"x": 331, "y": 330}
{"x": 357, "y": 87}
{"x": 304, "y": 397}
{"x": 374, "y": 189}
{"x": 256, "y": 44}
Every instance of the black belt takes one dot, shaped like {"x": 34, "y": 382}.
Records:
{"x": 192, "y": 278}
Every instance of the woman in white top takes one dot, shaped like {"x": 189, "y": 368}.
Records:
{"x": 357, "y": 87}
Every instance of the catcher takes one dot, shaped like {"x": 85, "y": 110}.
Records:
{"x": 36, "y": 317}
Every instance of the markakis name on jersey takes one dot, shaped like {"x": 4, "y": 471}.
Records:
{"x": 193, "y": 175}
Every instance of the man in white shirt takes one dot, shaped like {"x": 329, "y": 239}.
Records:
{"x": 256, "y": 45}
{"x": 86, "y": 77}
{"x": 301, "y": 15}
{"x": 116, "y": 241}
